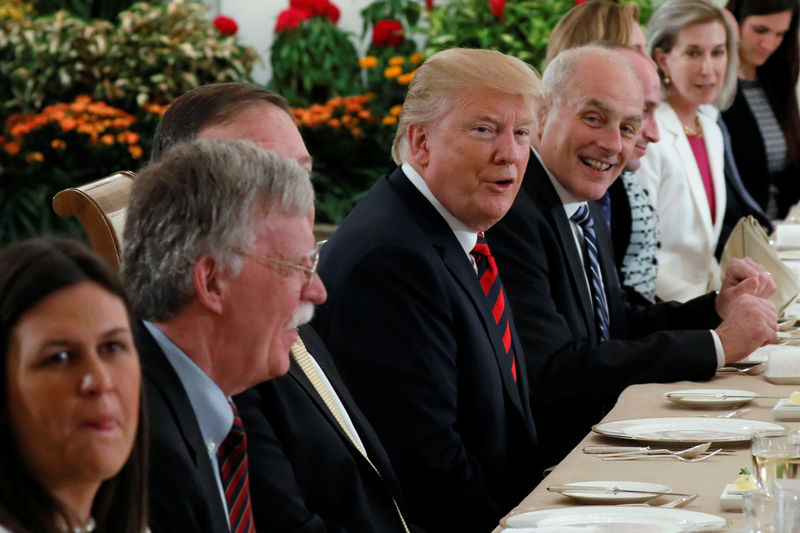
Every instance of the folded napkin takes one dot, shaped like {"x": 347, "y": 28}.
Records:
{"x": 748, "y": 239}
{"x": 784, "y": 361}
{"x": 787, "y": 235}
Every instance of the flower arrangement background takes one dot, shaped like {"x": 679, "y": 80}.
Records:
{"x": 81, "y": 91}
{"x": 79, "y": 99}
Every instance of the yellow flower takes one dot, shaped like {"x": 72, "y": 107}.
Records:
{"x": 397, "y": 61}
{"x": 368, "y": 62}
{"x": 392, "y": 72}
{"x": 395, "y": 110}
{"x": 58, "y": 144}
{"x": 405, "y": 79}
{"x": 36, "y": 157}
{"x": 390, "y": 121}
{"x": 416, "y": 58}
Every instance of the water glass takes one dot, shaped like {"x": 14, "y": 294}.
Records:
{"x": 759, "y": 512}
{"x": 775, "y": 457}
{"x": 787, "y": 505}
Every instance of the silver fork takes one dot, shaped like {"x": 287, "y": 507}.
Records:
{"x": 678, "y": 457}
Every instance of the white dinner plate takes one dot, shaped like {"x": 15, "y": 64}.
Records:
{"x": 710, "y": 398}
{"x": 686, "y": 430}
{"x": 619, "y": 497}
{"x": 620, "y": 519}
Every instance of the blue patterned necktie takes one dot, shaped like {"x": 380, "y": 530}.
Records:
{"x": 591, "y": 260}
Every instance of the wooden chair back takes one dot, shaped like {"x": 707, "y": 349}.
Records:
{"x": 100, "y": 207}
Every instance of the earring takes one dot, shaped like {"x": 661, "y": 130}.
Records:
{"x": 667, "y": 80}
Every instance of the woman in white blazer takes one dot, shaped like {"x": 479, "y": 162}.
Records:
{"x": 694, "y": 49}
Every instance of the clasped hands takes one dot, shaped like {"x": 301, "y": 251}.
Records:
{"x": 749, "y": 320}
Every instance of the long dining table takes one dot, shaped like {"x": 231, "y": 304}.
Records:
{"x": 706, "y": 478}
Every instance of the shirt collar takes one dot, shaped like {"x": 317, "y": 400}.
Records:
{"x": 465, "y": 236}
{"x": 568, "y": 200}
{"x": 210, "y": 405}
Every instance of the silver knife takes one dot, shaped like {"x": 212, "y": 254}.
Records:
{"x": 608, "y": 490}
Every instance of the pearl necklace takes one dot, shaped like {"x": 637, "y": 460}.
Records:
{"x": 697, "y": 131}
{"x": 86, "y": 528}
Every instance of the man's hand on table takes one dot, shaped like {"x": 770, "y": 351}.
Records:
{"x": 743, "y": 276}
{"x": 750, "y": 322}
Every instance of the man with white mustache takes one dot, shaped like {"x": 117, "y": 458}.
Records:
{"x": 583, "y": 342}
{"x": 314, "y": 466}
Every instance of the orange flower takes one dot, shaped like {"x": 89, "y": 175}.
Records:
{"x": 68, "y": 124}
{"x": 335, "y": 123}
{"x": 365, "y": 114}
{"x": 395, "y": 110}
{"x": 405, "y": 79}
{"x": 356, "y": 132}
{"x": 416, "y": 58}
{"x": 397, "y": 61}
{"x": 135, "y": 151}
{"x": 12, "y": 148}
{"x": 58, "y": 144}
{"x": 368, "y": 62}
{"x": 107, "y": 139}
{"x": 34, "y": 157}
{"x": 392, "y": 72}
{"x": 390, "y": 121}
{"x": 336, "y": 102}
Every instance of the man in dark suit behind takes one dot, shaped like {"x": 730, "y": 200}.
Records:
{"x": 217, "y": 254}
{"x": 310, "y": 471}
{"x": 576, "y": 369}
{"x": 432, "y": 360}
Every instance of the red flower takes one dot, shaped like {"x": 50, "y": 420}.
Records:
{"x": 498, "y": 8}
{"x": 290, "y": 19}
{"x": 322, "y": 8}
{"x": 578, "y": 2}
{"x": 429, "y": 5}
{"x": 387, "y": 32}
{"x": 225, "y": 25}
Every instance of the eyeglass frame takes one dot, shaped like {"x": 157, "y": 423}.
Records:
{"x": 308, "y": 271}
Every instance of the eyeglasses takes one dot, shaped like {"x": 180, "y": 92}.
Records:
{"x": 313, "y": 256}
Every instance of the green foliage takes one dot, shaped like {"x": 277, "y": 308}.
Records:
{"x": 314, "y": 62}
{"x": 154, "y": 54}
{"x": 524, "y": 32}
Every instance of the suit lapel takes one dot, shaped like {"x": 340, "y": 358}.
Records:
{"x": 456, "y": 261}
{"x": 538, "y": 185}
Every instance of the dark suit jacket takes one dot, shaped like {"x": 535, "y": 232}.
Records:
{"x": 182, "y": 484}
{"x": 574, "y": 379}
{"x": 751, "y": 158}
{"x": 738, "y": 201}
{"x": 305, "y": 473}
{"x": 409, "y": 328}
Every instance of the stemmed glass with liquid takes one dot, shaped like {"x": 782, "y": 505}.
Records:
{"x": 775, "y": 457}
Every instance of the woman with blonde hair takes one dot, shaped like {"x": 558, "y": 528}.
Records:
{"x": 694, "y": 48}
{"x": 596, "y": 20}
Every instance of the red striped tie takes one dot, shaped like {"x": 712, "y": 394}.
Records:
{"x": 232, "y": 458}
{"x": 493, "y": 289}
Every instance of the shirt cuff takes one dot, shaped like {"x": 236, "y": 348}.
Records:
{"x": 718, "y": 348}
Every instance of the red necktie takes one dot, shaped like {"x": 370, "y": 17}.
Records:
{"x": 232, "y": 459}
{"x": 493, "y": 289}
